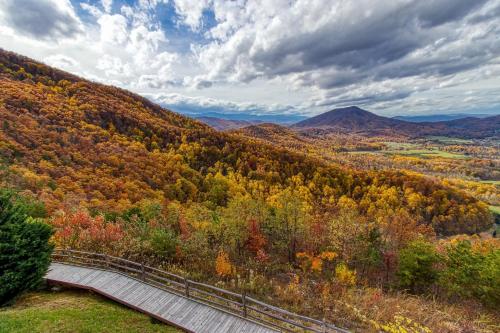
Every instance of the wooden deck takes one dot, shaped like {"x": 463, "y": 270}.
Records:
{"x": 186, "y": 314}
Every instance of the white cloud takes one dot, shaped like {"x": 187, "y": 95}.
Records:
{"x": 285, "y": 55}
{"x": 93, "y": 10}
{"x": 113, "y": 29}
{"x": 61, "y": 61}
{"x": 107, "y": 5}
{"x": 199, "y": 104}
{"x": 191, "y": 11}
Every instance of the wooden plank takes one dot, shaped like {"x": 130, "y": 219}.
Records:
{"x": 216, "y": 322}
{"x": 141, "y": 293}
{"x": 185, "y": 309}
{"x": 225, "y": 327}
{"x": 145, "y": 296}
{"x": 180, "y": 302}
{"x": 234, "y": 327}
{"x": 164, "y": 304}
{"x": 196, "y": 316}
{"x": 204, "y": 320}
{"x": 101, "y": 281}
{"x": 203, "y": 314}
{"x": 91, "y": 277}
{"x": 185, "y": 313}
{"x": 127, "y": 288}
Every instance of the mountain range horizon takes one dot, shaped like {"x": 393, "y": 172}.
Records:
{"x": 339, "y": 118}
{"x": 289, "y": 119}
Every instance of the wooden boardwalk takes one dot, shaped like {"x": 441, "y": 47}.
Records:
{"x": 187, "y": 314}
{"x": 175, "y": 299}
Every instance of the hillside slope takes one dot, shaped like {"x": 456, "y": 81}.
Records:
{"x": 71, "y": 142}
{"x": 440, "y": 117}
{"x": 105, "y": 143}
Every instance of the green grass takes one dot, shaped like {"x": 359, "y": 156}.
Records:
{"x": 495, "y": 209}
{"x": 449, "y": 140}
{"x": 74, "y": 311}
{"x": 445, "y": 154}
{"x": 428, "y": 153}
{"x": 493, "y": 182}
{"x": 417, "y": 150}
{"x": 393, "y": 145}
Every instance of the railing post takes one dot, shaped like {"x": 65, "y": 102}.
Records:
{"x": 143, "y": 272}
{"x": 244, "y": 302}
{"x": 325, "y": 327}
{"x": 186, "y": 283}
{"x": 106, "y": 261}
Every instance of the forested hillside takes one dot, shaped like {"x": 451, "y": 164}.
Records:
{"x": 116, "y": 173}
{"x": 75, "y": 142}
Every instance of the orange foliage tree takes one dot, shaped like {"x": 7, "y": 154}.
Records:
{"x": 82, "y": 231}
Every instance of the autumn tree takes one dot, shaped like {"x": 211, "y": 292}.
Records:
{"x": 291, "y": 213}
{"x": 223, "y": 266}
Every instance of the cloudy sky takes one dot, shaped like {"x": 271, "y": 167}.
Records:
{"x": 394, "y": 57}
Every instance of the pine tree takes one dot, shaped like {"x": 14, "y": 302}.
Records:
{"x": 24, "y": 248}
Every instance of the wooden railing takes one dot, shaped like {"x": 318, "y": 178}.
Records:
{"x": 239, "y": 304}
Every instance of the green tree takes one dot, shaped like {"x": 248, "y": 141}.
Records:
{"x": 417, "y": 261}
{"x": 489, "y": 277}
{"x": 462, "y": 270}
{"x": 24, "y": 248}
{"x": 163, "y": 242}
{"x": 470, "y": 274}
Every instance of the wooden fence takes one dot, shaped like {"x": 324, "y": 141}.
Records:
{"x": 231, "y": 302}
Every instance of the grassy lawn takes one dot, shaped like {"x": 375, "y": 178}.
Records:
{"x": 417, "y": 150}
{"x": 73, "y": 311}
{"x": 445, "y": 154}
{"x": 392, "y": 145}
{"x": 424, "y": 153}
{"x": 495, "y": 209}
{"x": 493, "y": 182}
{"x": 449, "y": 140}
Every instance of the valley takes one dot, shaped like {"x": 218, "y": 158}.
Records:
{"x": 325, "y": 218}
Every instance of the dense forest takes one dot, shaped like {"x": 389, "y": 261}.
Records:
{"x": 114, "y": 172}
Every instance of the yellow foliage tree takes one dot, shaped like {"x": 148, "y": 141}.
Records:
{"x": 223, "y": 266}
{"x": 344, "y": 275}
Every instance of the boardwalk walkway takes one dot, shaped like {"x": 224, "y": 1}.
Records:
{"x": 179, "y": 311}
{"x": 187, "y": 304}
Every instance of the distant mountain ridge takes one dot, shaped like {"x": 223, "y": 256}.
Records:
{"x": 284, "y": 119}
{"x": 441, "y": 117}
{"x": 226, "y": 124}
{"x": 358, "y": 121}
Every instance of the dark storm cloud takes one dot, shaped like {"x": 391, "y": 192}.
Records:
{"x": 493, "y": 12}
{"x": 43, "y": 19}
{"x": 375, "y": 42}
{"x": 432, "y": 13}
{"x": 363, "y": 43}
{"x": 371, "y": 97}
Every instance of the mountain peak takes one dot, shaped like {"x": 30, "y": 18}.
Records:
{"x": 353, "y": 119}
{"x": 350, "y": 117}
{"x": 349, "y": 110}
